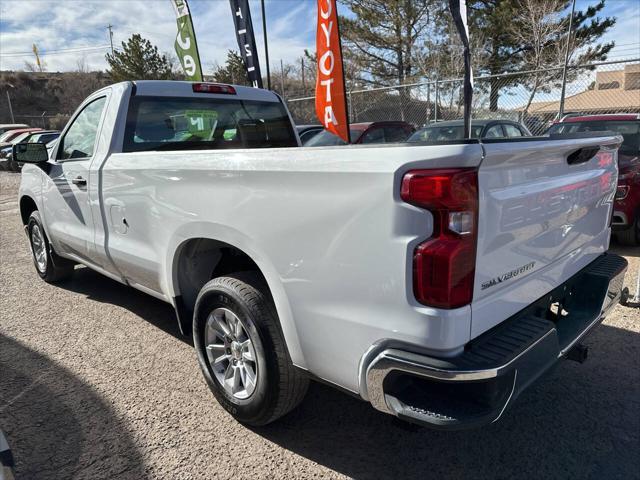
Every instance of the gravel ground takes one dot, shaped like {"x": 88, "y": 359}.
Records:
{"x": 96, "y": 383}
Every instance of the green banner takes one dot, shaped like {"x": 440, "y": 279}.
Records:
{"x": 185, "y": 45}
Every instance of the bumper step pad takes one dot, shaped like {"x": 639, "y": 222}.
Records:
{"x": 476, "y": 387}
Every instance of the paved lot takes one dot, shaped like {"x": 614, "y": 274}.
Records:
{"x": 95, "y": 382}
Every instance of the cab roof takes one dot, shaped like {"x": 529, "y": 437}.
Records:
{"x": 173, "y": 88}
{"x": 604, "y": 117}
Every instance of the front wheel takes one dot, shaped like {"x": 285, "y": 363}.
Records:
{"x": 51, "y": 267}
{"x": 242, "y": 352}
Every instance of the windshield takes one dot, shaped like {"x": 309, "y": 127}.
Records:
{"x": 630, "y": 131}
{"x": 6, "y": 135}
{"x": 21, "y": 137}
{"x": 180, "y": 123}
{"x": 328, "y": 139}
{"x": 443, "y": 133}
{"x": 44, "y": 137}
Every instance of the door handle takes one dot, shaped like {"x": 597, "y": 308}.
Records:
{"x": 79, "y": 181}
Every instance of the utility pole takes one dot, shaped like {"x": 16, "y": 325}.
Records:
{"x": 566, "y": 61}
{"x": 304, "y": 86}
{"x": 110, "y": 27}
{"x": 282, "y": 77}
{"x": 13, "y": 120}
{"x": 266, "y": 45}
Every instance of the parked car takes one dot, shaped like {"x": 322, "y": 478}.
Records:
{"x": 7, "y": 138}
{"x": 5, "y": 127}
{"x": 626, "y": 214}
{"x": 6, "y": 153}
{"x": 454, "y": 130}
{"x": 307, "y": 132}
{"x": 366, "y": 133}
{"x": 358, "y": 265}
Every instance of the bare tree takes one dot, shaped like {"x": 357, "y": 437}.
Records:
{"x": 82, "y": 66}
{"x": 538, "y": 25}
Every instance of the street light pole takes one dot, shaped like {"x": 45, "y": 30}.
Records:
{"x": 566, "y": 61}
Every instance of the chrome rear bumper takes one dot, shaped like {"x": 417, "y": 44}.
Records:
{"x": 477, "y": 386}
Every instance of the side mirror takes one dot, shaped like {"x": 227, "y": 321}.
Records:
{"x": 30, "y": 153}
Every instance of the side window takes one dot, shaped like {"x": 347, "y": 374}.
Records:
{"x": 494, "y": 132}
{"x": 80, "y": 139}
{"x": 511, "y": 130}
{"x": 374, "y": 136}
{"x": 395, "y": 134}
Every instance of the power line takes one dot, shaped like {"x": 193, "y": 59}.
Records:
{"x": 56, "y": 52}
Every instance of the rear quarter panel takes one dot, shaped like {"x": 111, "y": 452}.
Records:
{"x": 325, "y": 225}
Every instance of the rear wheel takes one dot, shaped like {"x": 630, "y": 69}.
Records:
{"x": 242, "y": 352}
{"x": 51, "y": 267}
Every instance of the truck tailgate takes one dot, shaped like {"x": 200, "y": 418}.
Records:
{"x": 544, "y": 212}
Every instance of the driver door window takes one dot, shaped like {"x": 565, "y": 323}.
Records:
{"x": 80, "y": 139}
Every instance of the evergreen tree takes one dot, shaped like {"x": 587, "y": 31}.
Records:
{"x": 138, "y": 59}
{"x": 494, "y": 20}
{"x": 233, "y": 71}
{"x": 386, "y": 39}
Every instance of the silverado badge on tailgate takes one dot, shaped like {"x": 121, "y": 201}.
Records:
{"x": 508, "y": 275}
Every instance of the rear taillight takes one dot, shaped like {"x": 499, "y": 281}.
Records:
{"x": 213, "y": 88}
{"x": 444, "y": 265}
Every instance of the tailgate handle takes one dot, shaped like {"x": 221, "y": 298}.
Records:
{"x": 582, "y": 155}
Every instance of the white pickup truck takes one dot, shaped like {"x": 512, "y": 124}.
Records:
{"x": 434, "y": 281}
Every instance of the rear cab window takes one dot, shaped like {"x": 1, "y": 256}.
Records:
{"x": 185, "y": 123}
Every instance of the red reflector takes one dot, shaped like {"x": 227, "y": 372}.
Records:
{"x": 213, "y": 88}
{"x": 444, "y": 265}
{"x": 604, "y": 158}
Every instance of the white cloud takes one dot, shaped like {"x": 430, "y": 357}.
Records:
{"x": 63, "y": 24}
{"x": 55, "y": 25}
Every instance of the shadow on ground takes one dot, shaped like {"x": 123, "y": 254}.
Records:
{"x": 56, "y": 424}
{"x": 580, "y": 421}
{"x": 99, "y": 288}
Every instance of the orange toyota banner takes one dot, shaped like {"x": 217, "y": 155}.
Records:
{"x": 331, "y": 98}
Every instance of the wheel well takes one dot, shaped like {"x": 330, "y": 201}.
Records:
{"x": 200, "y": 260}
{"x": 27, "y": 207}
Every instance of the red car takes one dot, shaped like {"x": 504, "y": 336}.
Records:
{"x": 7, "y": 137}
{"x": 366, "y": 132}
{"x": 626, "y": 213}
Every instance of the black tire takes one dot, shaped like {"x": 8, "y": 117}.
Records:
{"x": 55, "y": 268}
{"x": 630, "y": 236}
{"x": 279, "y": 387}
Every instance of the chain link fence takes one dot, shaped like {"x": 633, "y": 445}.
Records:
{"x": 531, "y": 97}
{"x": 53, "y": 122}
